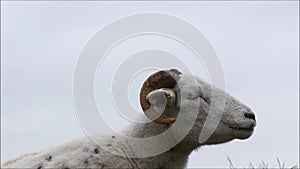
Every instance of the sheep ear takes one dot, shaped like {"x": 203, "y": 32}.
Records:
{"x": 157, "y": 100}
{"x": 161, "y": 98}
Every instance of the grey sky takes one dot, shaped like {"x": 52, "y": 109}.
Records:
{"x": 257, "y": 43}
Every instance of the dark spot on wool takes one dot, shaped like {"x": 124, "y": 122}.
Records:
{"x": 48, "y": 158}
{"x": 85, "y": 149}
{"x": 96, "y": 150}
{"x": 102, "y": 165}
{"x": 108, "y": 145}
{"x": 113, "y": 136}
{"x": 40, "y": 167}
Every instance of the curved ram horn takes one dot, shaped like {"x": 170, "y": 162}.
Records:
{"x": 160, "y": 79}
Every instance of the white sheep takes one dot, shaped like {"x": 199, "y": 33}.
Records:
{"x": 237, "y": 122}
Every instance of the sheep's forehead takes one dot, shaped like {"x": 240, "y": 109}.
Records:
{"x": 194, "y": 84}
{"x": 191, "y": 81}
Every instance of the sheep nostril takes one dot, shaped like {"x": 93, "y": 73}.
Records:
{"x": 250, "y": 116}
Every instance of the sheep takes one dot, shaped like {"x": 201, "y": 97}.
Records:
{"x": 165, "y": 86}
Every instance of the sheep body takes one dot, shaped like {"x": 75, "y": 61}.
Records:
{"x": 83, "y": 153}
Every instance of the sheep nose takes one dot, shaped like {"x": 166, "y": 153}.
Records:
{"x": 250, "y": 116}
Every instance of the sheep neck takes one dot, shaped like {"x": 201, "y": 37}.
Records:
{"x": 176, "y": 157}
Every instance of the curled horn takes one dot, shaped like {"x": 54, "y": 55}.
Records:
{"x": 160, "y": 79}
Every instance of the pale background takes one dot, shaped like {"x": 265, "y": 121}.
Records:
{"x": 257, "y": 43}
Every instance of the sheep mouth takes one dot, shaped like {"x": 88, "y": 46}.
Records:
{"x": 250, "y": 129}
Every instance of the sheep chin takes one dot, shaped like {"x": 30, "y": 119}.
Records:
{"x": 242, "y": 132}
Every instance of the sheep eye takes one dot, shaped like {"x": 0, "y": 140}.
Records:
{"x": 189, "y": 92}
{"x": 192, "y": 95}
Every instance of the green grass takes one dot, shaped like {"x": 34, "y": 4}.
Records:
{"x": 262, "y": 165}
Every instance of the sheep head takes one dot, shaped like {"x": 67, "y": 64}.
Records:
{"x": 159, "y": 93}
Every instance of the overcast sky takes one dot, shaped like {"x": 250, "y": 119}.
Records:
{"x": 257, "y": 44}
